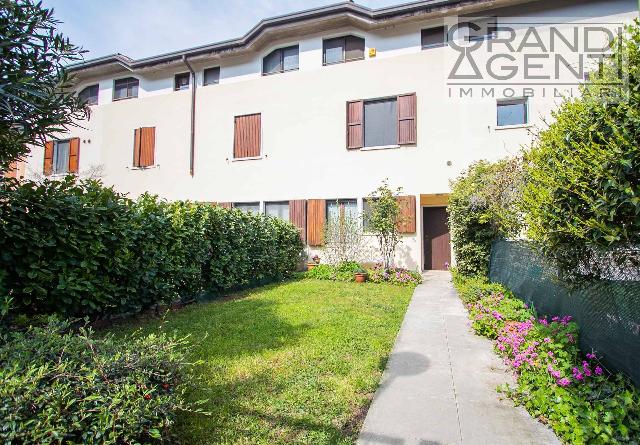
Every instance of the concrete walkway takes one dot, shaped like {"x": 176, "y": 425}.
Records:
{"x": 439, "y": 385}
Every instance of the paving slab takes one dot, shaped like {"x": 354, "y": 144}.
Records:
{"x": 439, "y": 386}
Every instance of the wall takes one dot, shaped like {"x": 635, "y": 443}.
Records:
{"x": 303, "y": 124}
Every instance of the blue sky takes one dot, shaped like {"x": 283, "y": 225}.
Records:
{"x": 143, "y": 28}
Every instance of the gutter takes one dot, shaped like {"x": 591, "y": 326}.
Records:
{"x": 193, "y": 117}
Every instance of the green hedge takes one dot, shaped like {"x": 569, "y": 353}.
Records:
{"x": 84, "y": 249}
{"x": 60, "y": 386}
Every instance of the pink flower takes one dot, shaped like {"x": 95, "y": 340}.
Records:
{"x": 564, "y": 382}
{"x": 598, "y": 370}
{"x": 547, "y": 340}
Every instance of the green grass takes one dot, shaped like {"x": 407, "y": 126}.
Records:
{"x": 290, "y": 363}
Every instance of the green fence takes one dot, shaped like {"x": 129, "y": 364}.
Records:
{"x": 607, "y": 311}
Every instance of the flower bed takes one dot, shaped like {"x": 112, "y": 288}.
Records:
{"x": 572, "y": 392}
{"x": 346, "y": 272}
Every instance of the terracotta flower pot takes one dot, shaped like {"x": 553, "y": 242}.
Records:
{"x": 311, "y": 266}
{"x": 361, "y": 277}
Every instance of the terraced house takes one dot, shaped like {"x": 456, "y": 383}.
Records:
{"x": 307, "y": 113}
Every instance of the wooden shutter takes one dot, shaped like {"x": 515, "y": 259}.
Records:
{"x": 224, "y": 205}
{"x": 246, "y": 136}
{"x": 407, "y": 222}
{"x": 48, "y": 158}
{"x": 136, "y": 147}
{"x": 144, "y": 146}
{"x": 147, "y": 146}
{"x": 355, "y": 127}
{"x": 316, "y": 215}
{"x": 407, "y": 132}
{"x": 298, "y": 216}
{"x": 74, "y": 155}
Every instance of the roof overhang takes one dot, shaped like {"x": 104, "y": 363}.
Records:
{"x": 292, "y": 25}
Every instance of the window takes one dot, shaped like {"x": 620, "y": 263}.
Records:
{"x": 277, "y": 209}
{"x": 144, "y": 146}
{"x": 182, "y": 81}
{"x": 366, "y": 213}
{"x": 211, "y": 76}
{"x": 342, "y": 49}
{"x": 434, "y": 37}
{"x": 61, "y": 156}
{"x": 125, "y": 88}
{"x": 249, "y": 207}
{"x": 338, "y": 209}
{"x": 380, "y": 122}
{"x": 89, "y": 95}
{"x": 247, "y": 136}
{"x": 281, "y": 60}
{"x": 512, "y": 112}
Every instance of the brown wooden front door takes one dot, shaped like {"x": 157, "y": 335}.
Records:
{"x": 437, "y": 241}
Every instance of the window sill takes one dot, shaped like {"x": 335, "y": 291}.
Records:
{"x": 124, "y": 98}
{"x": 342, "y": 61}
{"x": 254, "y": 158}
{"x": 511, "y": 127}
{"x": 145, "y": 168}
{"x": 380, "y": 147}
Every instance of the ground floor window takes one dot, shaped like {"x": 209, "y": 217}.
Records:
{"x": 249, "y": 207}
{"x": 277, "y": 209}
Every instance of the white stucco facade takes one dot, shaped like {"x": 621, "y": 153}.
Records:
{"x": 303, "y": 120}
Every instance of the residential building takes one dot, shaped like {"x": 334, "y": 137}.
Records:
{"x": 305, "y": 115}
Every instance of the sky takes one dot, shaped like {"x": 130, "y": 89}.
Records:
{"x": 143, "y": 28}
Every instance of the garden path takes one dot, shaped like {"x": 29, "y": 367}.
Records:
{"x": 439, "y": 386}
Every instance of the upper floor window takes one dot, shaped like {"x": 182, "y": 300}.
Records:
{"x": 61, "y": 156}
{"x": 181, "y": 81}
{"x": 512, "y": 112}
{"x": 388, "y": 121}
{"x": 434, "y": 37}
{"x": 249, "y": 207}
{"x": 144, "y": 147}
{"x": 89, "y": 95}
{"x": 342, "y": 49}
{"x": 211, "y": 76}
{"x": 125, "y": 88}
{"x": 277, "y": 209}
{"x": 247, "y": 136}
{"x": 281, "y": 60}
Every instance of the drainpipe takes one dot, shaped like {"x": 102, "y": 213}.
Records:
{"x": 193, "y": 116}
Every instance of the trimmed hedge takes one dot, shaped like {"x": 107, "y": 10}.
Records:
{"x": 61, "y": 386}
{"x": 84, "y": 249}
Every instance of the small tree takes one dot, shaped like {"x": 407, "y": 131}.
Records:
{"x": 383, "y": 221}
{"x": 343, "y": 238}
{"x": 36, "y": 98}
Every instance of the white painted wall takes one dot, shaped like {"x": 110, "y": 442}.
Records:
{"x": 303, "y": 124}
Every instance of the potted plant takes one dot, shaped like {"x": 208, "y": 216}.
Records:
{"x": 315, "y": 260}
{"x": 361, "y": 275}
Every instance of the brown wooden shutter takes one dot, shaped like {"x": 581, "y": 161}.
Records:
{"x": 247, "y": 136}
{"x": 316, "y": 215}
{"x": 355, "y": 127}
{"x": 407, "y": 109}
{"x": 224, "y": 205}
{"x": 298, "y": 216}
{"x": 74, "y": 155}
{"x": 147, "y": 146}
{"x": 136, "y": 146}
{"x": 407, "y": 222}
{"x": 48, "y": 158}
{"x": 12, "y": 172}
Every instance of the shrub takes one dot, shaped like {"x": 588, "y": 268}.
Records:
{"x": 483, "y": 206}
{"x": 574, "y": 394}
{"x": 83, "y": 249}
{"x": 346, "y": 272}
{"x": 383, "y": 221}
{"x": 67, "y": 387}
{"x": 471, "y": 289}
{"x": 581, "y": 197}
{"x": 343, "y": 238}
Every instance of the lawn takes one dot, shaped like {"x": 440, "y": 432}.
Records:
{"x": 289, "y": 363}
